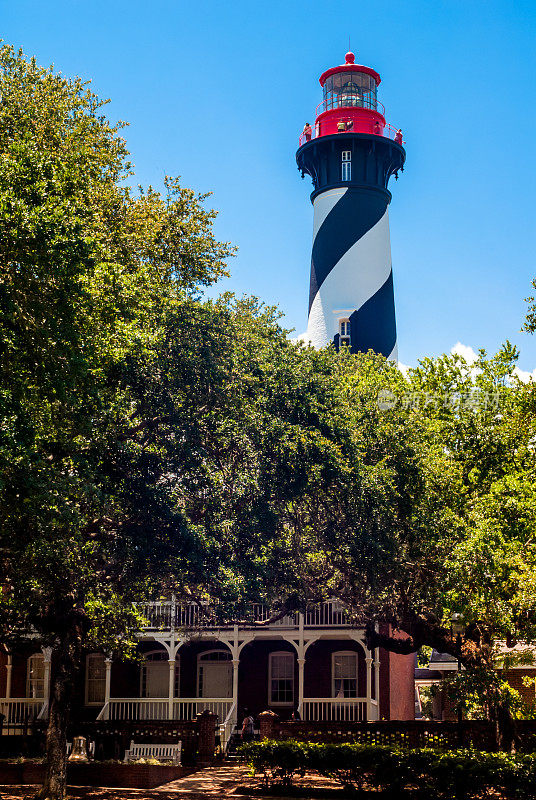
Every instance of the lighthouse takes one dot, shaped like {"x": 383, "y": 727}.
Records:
{"x": 350, "y": 154}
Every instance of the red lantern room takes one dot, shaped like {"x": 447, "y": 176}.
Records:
{"x": 350, "y": 103}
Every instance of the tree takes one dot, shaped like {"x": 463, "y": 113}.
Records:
{"x": 91, "y": 275}
{"x": 150, "y": 441}
{"x": 434, "y": 511}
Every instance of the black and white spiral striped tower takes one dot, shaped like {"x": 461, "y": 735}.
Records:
{"x": 350, "y": 154}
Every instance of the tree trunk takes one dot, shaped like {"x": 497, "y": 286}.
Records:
{"x": 65, "y": 659}
{"x": 504, "y": 727}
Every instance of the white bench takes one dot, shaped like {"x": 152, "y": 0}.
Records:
{"x": 164, "y": 752}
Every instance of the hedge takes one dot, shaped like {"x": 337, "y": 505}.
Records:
{"x": 459, "y": 773}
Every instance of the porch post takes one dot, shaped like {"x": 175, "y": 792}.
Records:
{"x": 47, "y": 656}
{"x": 301, "y": 669}
{"x": 107, "y": 686}
{"x": 236, "y": 663}
{"x": 171, "y": 686}
{"x": 301, "y": 662}
{"x": 9, "y": 667}
{"x": 235, "y": 650}
{"x": 368, "y": 662}
{"x": 377, "y": 681}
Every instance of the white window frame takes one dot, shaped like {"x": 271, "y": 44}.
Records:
{"x": 346, "y": 165}
{"x": 31, "y": 682}
{"x": 227, "y": 657}
{"x": 345, "y": 323}
{"x": 162, "y": 656}
{"x": 87, "y": 701}
{"x": 333, "y": 677}
{"x": 290, "y": 655}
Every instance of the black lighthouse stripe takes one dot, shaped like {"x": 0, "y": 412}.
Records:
{"x": 373, "y": 326}
{"x": 357, "y": 211}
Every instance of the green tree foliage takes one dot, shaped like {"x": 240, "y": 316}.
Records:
{"x": 93, "y": 277}
{"x": 149, "y": 442}
{"x": 433, "y": 512}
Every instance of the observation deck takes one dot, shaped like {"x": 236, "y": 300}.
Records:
{"x": 350, "y": 104}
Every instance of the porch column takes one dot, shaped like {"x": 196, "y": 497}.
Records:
{"x": 9, "y": 667}
{"x": 301, "y": 662}
{"x": 171, "y": 686}
{"x": 301, "y": 670}
{"x": 236, "y": 663}
{"x": 107, "y": 686}
{"x": 47, "y": 656}
{"x": 368, "y": 662}
{"x": 377, "y": 681}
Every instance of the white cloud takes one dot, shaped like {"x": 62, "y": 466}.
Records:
{"x": 403, "y": 369}
{"x": 525, "y": 376}
{"x": 465, "y": 351}
{"x": 470, "y": 356}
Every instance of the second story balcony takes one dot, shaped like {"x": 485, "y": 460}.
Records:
{"x": 171, "y": 615}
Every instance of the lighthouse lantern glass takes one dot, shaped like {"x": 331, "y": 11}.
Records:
{"x": 350, "y": 89}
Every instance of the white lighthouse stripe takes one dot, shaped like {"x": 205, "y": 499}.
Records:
{"x": 323, "y": 204}
{"x": 393, "y": 355}
{"x": 356, "y": 277}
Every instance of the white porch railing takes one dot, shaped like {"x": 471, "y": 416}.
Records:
{"x": 20, "y": 710}
{"x": 188, "y": 708}
{"x": 166, "y": 614}
{"x": 326, "y": 615}
{"x": 320, "y": 709}
{"x": 136, "y": 709}
{"x": 226, "y": 728}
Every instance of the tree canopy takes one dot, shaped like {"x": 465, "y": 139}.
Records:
{"x": 150, "y": 441}
{"x": 153, "y": 441}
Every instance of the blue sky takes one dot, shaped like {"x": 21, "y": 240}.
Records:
{"x": 219, "y": 91}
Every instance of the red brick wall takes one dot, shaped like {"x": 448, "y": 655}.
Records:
{"x": 253, "y": 677}
{"x": 139, "y": 776}
{"x": 385, "y": 685}
{"x": 515, "y": 679}
{"x": 125, "y": 679}
{"x": 318, "y": 667}
{"x": 402, "y": 686}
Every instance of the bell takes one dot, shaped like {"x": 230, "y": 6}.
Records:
{"x": 79, "y": 751}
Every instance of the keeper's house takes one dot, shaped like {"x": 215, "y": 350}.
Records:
{"x": 315, "y": 663}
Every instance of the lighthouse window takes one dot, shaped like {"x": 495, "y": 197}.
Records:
{"x": 344, "y": 333}
{"x": 346, "y": 166}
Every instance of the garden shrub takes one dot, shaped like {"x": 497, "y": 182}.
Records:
{"x": 278, "y": 762}
{"x": 454, "y": 774}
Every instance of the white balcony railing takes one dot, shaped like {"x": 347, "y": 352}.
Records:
{"x": 166, "y": 614}
{"x": 321, "y": 709}
{"x": 19, "y": 711}
{"x": 137, "y": 709}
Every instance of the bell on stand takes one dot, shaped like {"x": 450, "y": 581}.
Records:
{"x": 79, "y": 751}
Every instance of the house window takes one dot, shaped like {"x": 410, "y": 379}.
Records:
{"x": 35, "y": 682}
{"x": 344, "y": 333}
{"x": 344, "y": 674}
{"x": 346, "y": 165}
{"x": 281, "y": 679}
{"x": 95, "y": 679}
